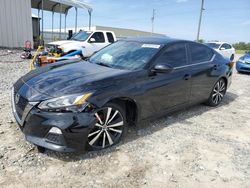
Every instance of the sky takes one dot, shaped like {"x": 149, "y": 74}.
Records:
{"x": 223, "y": 20}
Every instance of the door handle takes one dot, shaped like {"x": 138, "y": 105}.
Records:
{"x": 186, "y": 76}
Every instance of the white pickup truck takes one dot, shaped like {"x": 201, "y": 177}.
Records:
{"x": 88, "y": 42}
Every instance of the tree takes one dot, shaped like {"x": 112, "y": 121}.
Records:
{"x": 241, "y": 46}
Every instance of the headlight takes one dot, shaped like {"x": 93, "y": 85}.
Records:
{"x": 60, "y": 47}
{"x": 73, "y": 103}
{"x": 241, "y": 60}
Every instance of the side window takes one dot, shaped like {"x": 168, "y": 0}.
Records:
{"x": 175, "y": 55}
{"x": 226, "y": 46}
{"x": 200, "y": 53}
{"x": 110, "y": 37}
{"x": 99, "y": 37}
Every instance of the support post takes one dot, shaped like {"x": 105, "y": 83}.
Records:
{"x": 199, "y": 26}
{"x": 42, "y": 23}
{"x": 153, "y": 19}
{"x": 60, "y": 29}
{"x": 52, "y": 25}
{"x": 53, "y": 12}
{"x": 90, "y": 17}
{"x": 65, "y": 22}
{"x": 76, "y": 21}
{"x": 38, "y": 23}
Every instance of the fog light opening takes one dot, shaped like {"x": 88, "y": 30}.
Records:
{"x": 55, "y": 130}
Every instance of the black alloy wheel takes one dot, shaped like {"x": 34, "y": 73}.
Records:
{"x": 109, "y": 127}
{"x": 218, "y": 92}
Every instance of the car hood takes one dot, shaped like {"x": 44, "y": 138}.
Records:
{"x": 247, "y": 57}
{"x": 67, "y": 78}
{"x": 65, "y": 42}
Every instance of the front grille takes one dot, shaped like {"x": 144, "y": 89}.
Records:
{"x": 18, "y": 106}
{"x": 245, "y": 68}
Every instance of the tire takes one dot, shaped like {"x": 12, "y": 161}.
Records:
{"x": 40, "y": 149}
{"x": 110, "y": 127}
{"x": 232, "y": 57}
{"x": 217, "y": 94}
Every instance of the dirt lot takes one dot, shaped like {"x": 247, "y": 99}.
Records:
{"x": 198, "y": 147}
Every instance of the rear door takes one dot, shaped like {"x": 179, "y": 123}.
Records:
{"x": 202, "y": 66}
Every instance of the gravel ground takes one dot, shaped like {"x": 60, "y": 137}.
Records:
{"x": 197, "y": 147}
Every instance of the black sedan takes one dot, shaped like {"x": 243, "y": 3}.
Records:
{"x": 76, "y": 105}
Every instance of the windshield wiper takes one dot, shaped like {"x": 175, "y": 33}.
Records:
{"x": 103, "y": 64}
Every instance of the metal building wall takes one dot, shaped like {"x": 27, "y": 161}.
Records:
{"x": 15, "y": 23}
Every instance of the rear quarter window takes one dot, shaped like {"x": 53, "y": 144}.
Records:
{"x": 200, "y": 53}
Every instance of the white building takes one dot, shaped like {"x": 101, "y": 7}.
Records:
{"x": 17, "y": 25}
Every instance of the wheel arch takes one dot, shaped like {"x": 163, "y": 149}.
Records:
{"x": 131, "y": 108}
{"x": 225, "y": 79}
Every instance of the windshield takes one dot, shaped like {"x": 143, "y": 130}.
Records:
{"x": 213, "y": 45}
{"x": 125, "y": 55}
{"x": 81, "y": 36}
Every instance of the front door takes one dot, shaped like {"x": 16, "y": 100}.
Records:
{"x": 95, "y": 45}
{"x": 168, "y": 90}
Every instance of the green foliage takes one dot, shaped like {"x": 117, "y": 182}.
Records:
{"x": 241, "y": 51}
{"x": 200, "y": 41}
{"x": 241, "y": 46}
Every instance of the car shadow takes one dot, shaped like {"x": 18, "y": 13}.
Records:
{"x": 244, "y": 73}
{"x": 145, "y": 128}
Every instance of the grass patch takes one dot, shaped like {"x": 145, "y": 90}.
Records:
{"x": 241, "y": 51}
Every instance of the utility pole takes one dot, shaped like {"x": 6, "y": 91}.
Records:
{"x": 153, "y": 19}
{"x": 199, "y": 26}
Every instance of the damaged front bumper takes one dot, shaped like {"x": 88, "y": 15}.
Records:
{"x": 63, "y": 132}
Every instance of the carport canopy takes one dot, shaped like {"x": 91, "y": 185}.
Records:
{"x": 62, "y": 7}
{"x": 54, "y": 5}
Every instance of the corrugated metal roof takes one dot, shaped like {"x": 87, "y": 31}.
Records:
{"x": 54, "y": 5}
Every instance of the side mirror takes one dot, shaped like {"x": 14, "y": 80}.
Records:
{"x": 222, "y": 48}
{"x": 91, "y": 40}
{"x": 162, "y": 68}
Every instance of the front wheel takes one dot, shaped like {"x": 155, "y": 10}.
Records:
{"x": 40, "y": 149}
{"x": 109, "y": 128}
{"x": 218, "y": 92}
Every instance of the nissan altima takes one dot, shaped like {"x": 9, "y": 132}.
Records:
{"x": 79, "y": 105}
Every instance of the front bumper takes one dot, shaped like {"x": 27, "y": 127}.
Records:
{"x": 242, "y": 67}
{"x": 36, "y": 126}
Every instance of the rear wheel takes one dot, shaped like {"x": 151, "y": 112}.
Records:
{"x": 217, "y": 93}
{"x": 109, "y": 128}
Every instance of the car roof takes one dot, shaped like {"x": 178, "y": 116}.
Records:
{"x": 96, "y": 31}
{"x": 218, "y": 42}
{"x": 163, "y": 40}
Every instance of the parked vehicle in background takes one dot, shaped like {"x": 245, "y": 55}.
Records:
{"x": 223, "y": 48}
{"x": 68, "y": 106}
{"x": 88, "y": 42}
{"x": 243, "y": 64}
